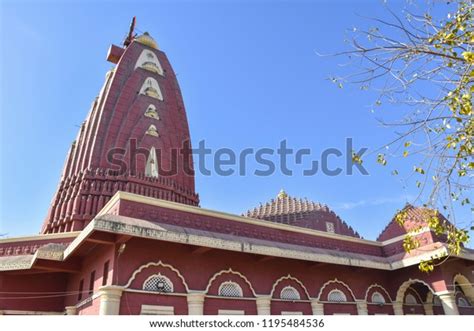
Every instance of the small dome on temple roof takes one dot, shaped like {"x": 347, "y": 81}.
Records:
{"x": 300, "y": 212}
{"x": 282, "y": 194}
{"x": 147, "y": 40}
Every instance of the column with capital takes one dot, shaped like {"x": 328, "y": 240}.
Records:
{"x": 362, "y": 308}
{"x": 196, "y": 303}
{"x": 428, "y": 308}
{"x": 71, "y": 310}
{"x": 448, "y": 300}
{"x": 110, "y": 297}
{"x": 317, "y": 307}
{"x": 264, "y": 305}
{"x": 397, "y": 308}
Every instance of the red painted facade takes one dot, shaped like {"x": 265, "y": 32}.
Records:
{"x": 109, "y": 234}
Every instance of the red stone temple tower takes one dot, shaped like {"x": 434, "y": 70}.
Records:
{"x": 134, "y": 139}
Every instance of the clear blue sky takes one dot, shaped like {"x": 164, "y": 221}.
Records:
{"x": 250, "y": 77}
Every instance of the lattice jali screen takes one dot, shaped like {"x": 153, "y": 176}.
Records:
{"x": 158, "y": 283}
{"x": 230, "y": 289}
{"x": 410, "y": 299}
{"x": 377, "y": 298}
{"x": 289, "y": 293}
{"x": 337, "y": 296}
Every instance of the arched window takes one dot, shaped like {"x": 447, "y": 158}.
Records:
{"x": 337, "y": 296}
{"x": 377, "y": 297}
{"x": 149, "y": 61}
{"x": 462, "y": 302}
{"x": 410, "y": 299}
{"x": 230, "y": 289}
{"x": 158, "y": 283}
{"x": 436, "y": 300}
{"x": 151, "y": 112}
{"x": 151, "y": 88}
{"x": 289, "y": 293}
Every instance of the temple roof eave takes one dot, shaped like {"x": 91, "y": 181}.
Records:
{"x": 121, "y": 225}
{"x": 150, "y": 230}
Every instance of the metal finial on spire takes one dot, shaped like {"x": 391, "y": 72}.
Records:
{"x": 282, "y": 194}
{"x": 130, "y": 35}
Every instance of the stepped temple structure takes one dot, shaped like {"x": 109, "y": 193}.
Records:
{"x": 125, "y": 234}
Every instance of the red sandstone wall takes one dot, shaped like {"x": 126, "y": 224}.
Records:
{"x": 95, "y": 261}
{"x": 132, "y": 302}
{"x": 39, "y": 292}
{"x": 90, "y": 308}
{"x": 277, "y": 307}
{"x": 212, "y": 306}
{"x": 168, "y": 216}
{"x": 198, "y": 268}
{"x": 335, "y": 308}
{"x": 374, "y": 309}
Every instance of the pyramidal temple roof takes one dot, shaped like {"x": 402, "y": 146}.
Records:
{"x": 301, "y": 212}
{"x": 414, "y": 217}
{"x": 283, "y": 205}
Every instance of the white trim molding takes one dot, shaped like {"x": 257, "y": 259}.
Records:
{"x": 156, "y": 264}
{"x": 337, "y": 281}
{"x": 380, "y": 287}
{"x": 289, "y": 277}
{"x": 229, "y": 271}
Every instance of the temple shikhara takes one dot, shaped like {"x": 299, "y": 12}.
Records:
{"x": 125, "y": 233}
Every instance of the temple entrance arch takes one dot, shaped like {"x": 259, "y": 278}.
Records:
{"x": 464, "y": 294}
{"x": 462, "y": 282}
{"x": 415, "y": 294}
{"x": 412, "y": 298}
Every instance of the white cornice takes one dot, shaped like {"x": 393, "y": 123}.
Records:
{"x": 48, "y": 236}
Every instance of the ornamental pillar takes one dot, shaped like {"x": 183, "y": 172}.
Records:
{"x": 195, "y": 303}
{"x": 449, "y": 303}
{"x": 110, "y": 299}
{"x": 263, "y": 305}
{"x": 71, "y": 310}
{"x": 428, "y": 308}
{"x": 397, "y": 308}
{"x": 362, "y": 308}
{"x": 317, "y": 307}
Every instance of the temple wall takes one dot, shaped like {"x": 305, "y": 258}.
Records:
{"x": 221, "y": 225}
{"x": 90, "y": 307}
{"x": 339, "y": 308}
{"x": 43, "y": 292}
{"x": 213, "y": 305}
{"x": 198, "y": 269}
{"x": 95, "y": 261}
{"x": 131, "y": 303}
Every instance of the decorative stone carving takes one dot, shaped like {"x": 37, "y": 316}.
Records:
{"x": 152, "y": 131}
{"x": 151, "y": 112}
{"x": 151, "y": 88}
{"x": 149, "y": 61}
